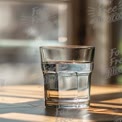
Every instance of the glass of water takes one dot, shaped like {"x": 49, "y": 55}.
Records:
{"x": 67, "y": 75}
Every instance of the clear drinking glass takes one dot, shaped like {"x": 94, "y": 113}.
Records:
{"x": 67, "y": 75}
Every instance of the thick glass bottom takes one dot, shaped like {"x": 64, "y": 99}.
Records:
{"x": 68, "y": 105}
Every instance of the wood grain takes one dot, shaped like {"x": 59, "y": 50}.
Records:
{"x": 26, "y": 104}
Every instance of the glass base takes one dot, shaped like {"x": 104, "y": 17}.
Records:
{"x": 79, "y": 105}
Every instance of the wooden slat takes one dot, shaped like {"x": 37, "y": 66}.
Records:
{"x": 26, "y": 104}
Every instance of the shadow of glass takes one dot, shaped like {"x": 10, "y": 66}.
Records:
{"x": 103, "y": 97}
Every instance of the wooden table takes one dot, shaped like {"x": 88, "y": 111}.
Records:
{"x": 26, "y": 104}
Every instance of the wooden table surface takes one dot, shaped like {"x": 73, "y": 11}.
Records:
{"x": 26, "y": 104}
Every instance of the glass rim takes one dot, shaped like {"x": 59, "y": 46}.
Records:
{"x": 68, "y": 47}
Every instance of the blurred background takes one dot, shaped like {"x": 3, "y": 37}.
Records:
{"x": 25, "y": 25}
